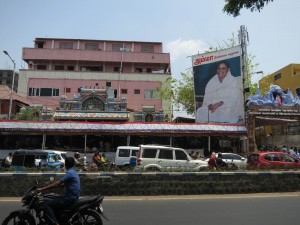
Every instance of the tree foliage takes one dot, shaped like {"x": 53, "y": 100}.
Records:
{"x": 28, "y": 114}
{"x": 180, "y": 92}
{"x": 233, "y": 7}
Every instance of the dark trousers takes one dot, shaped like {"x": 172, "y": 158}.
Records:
{"x": 57, "y": 204}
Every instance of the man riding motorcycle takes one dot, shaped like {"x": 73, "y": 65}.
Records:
{"x": 71, "y": 184}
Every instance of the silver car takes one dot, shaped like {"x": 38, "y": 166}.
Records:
{"x": 238, "y": 160}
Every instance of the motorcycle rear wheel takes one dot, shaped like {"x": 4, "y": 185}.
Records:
{"x": 89, "y": 217}
{"x": 18, "y": 220}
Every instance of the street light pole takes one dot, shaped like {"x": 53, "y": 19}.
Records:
{"x": 12, "y": 85}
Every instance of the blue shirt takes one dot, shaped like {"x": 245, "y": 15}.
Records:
{"x": 72, "y": 185}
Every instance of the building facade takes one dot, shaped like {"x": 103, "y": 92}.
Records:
{"x": 6, "y": 77}
{"x": 279, "y": 125}
{"x": 61, "y": 67}
{"x": 287, "y": 77}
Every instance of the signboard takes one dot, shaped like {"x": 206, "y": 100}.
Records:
{"x": 218, "y": 86}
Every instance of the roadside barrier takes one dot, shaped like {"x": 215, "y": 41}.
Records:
{"x": 159, "y": 183}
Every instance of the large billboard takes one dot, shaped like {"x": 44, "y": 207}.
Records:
{"x": 218, "y": 86}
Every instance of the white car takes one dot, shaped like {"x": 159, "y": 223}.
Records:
{"x": 123, "y": 155}
{"x": 160, "y": 158}
{"x": 239, "y": 161}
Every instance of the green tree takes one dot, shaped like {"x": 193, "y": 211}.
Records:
{"x": 233, "y": 7}
{"x": 180, "y": 92}
{"x": 28, "y": 114}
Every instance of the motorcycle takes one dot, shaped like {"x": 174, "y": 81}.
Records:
{"x": 85, "y": 211}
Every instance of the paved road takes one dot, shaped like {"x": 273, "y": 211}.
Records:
{"x": 252, "y": 209}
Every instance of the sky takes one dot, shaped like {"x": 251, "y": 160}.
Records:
{"x": 185, "y": 27}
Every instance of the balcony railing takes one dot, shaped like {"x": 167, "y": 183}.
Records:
{"x": 95, "y": 56}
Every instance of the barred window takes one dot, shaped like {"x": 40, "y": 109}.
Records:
{"x": 70, "y": 68}
{"x": 91, "y": 46}
{"x": 65, "y": 45}
{"x": 117, "y": 47}
{"x": 59, "y": 67}
{"x": 41, "y": 67}
{"x": 147, "y": 48}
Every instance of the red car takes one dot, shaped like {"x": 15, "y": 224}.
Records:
{"x": 272, "y": 160}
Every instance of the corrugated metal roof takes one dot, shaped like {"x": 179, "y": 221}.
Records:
{"x": 125, "y": 128}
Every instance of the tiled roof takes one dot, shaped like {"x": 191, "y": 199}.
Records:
{"x": 5, "y": 92}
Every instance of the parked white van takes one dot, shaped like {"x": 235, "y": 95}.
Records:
{"x": 123, "y": 155}
{"x": 160, "y": 158}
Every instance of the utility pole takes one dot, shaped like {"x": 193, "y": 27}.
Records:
{"x": 244, "y": 40}
{"x": 12, "y": 84}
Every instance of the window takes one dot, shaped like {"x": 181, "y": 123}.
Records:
{"x": 34, "y": 92}
{"x": 149, "y": 70}
{"x": 180, "y": 155}
{"x": 41, "y": 67}
{"x": 123, "y": 91}
{"x": 271, "y": 157}
{"x": 124, "y": 152}
{"x": 149, "y": 153}
{"x": 91, "y": 46}
{"x": 59, "y": 67}
{"x": 298, "y": 91}
{"x": 55, "y": 92}
{"x": 43, "y": 92}
{"x": 277, "y": 76}
{"x": 135, "y": 152}
{"x": 138, "y": 70}
{"x": 108, "y": 84}
{"x": 147, "y": 48}
{"x": 117, "y": 47}
{"x": 40, "y": 44}
{"x": 68, "y": 90}
{"x": 91, "y": 68}
{"x": 46, "y": 92}
{"x": 137, "y": 91}
{"x": 287, "y": 158}
{"x": 71, "y": 68}
{"x": 78, "y": 90}
{"x": 65, "y": 45}
{"x": 115, "y": 93}
{"x": 117, "y": 69}
{"x": 165, "y": 154}
{"x": 151, "y": 94}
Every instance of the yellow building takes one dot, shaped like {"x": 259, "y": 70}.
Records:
{"x": 281, "y": 133}
{"x": 287, "y": 77}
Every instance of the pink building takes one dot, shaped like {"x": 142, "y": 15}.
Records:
{"x": 60, "y": 67}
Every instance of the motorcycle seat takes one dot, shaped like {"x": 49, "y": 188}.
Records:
{"x": 87, "y": 201}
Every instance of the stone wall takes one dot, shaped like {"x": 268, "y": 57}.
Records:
{"x": 138, "y": 184}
